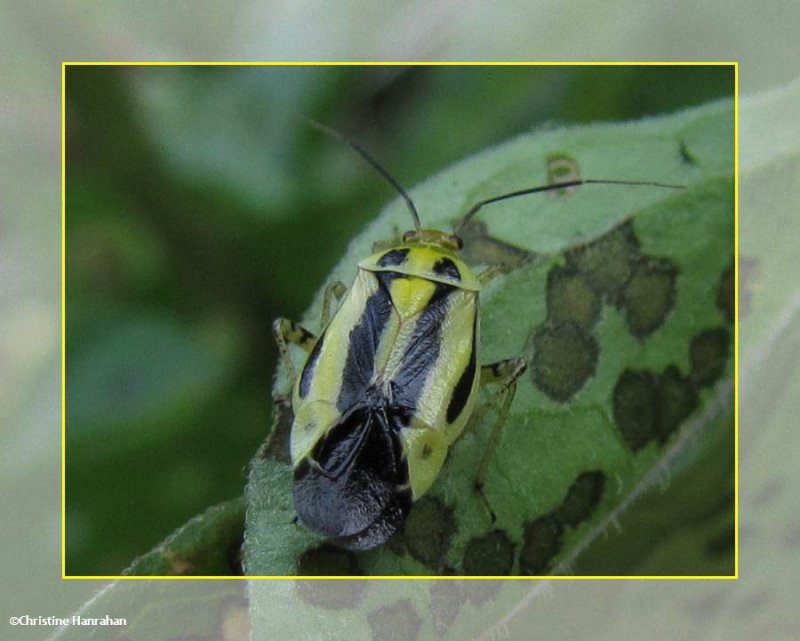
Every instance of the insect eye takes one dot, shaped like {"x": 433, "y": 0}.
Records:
{"x": 457, "y": 242}
{"x": 409, "y": 235}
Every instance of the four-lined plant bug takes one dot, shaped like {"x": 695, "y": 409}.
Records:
{"x": 392, "y": 379}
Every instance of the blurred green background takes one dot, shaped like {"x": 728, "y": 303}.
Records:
{"x": 200, "y": 207}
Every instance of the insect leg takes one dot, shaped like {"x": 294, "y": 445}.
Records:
{"x": 504, "y": 373}
{"x": 285, "y": 332}
{"x": 336, "y": 289}
{"x": 288, "y": 332}
{"x": 486, "y": 276}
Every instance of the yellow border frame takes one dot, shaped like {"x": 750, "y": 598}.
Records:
{"x": 65, "y": 64}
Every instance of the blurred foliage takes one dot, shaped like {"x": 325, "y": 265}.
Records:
{"x": 200, "y": 207}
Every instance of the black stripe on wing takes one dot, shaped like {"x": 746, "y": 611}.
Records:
{"x": 362, "y": 345}
{"x": 422, "y": 349}
{"x": 308, "y": 368}
{"x": 464, "y": 385}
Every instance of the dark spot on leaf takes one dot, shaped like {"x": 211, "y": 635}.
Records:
{"x": 398, "y": 622}
{"x": 428, "y": 531}
{"x": 649, "y": 296}
{"x": 708, "y": 354}
{"x": 479, "y": 592}
{"x": 726, "y": 294}
{"x": 489, "y": 555}
{"x": 569, "y": 298}
{"x": 448, "y": 597}
{"x": 331, "y": 595}
{"x": 562, "y": 168}
{"x": 328, "y": 560}
{"x": 564, "y": 358}
{"x": 677, "y": 400}
{"x": 607, "y": 262}
{"x": 541, "y": 543}
{"x": 480, "y": 247}
{"x": 636, "y": 410}
{"x": 582, "y": 497}
{"x": 649, "y": 407}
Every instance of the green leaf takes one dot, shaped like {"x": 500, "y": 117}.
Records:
{"x": 208, "y": 545}
{"x": 622, "y": 305}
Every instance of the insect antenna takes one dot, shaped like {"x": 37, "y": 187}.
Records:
{"x": 562, "y": 185}
{"x": 375, "y": 164}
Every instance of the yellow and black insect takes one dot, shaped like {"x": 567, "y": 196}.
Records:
{"x": 391, "y": 381}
